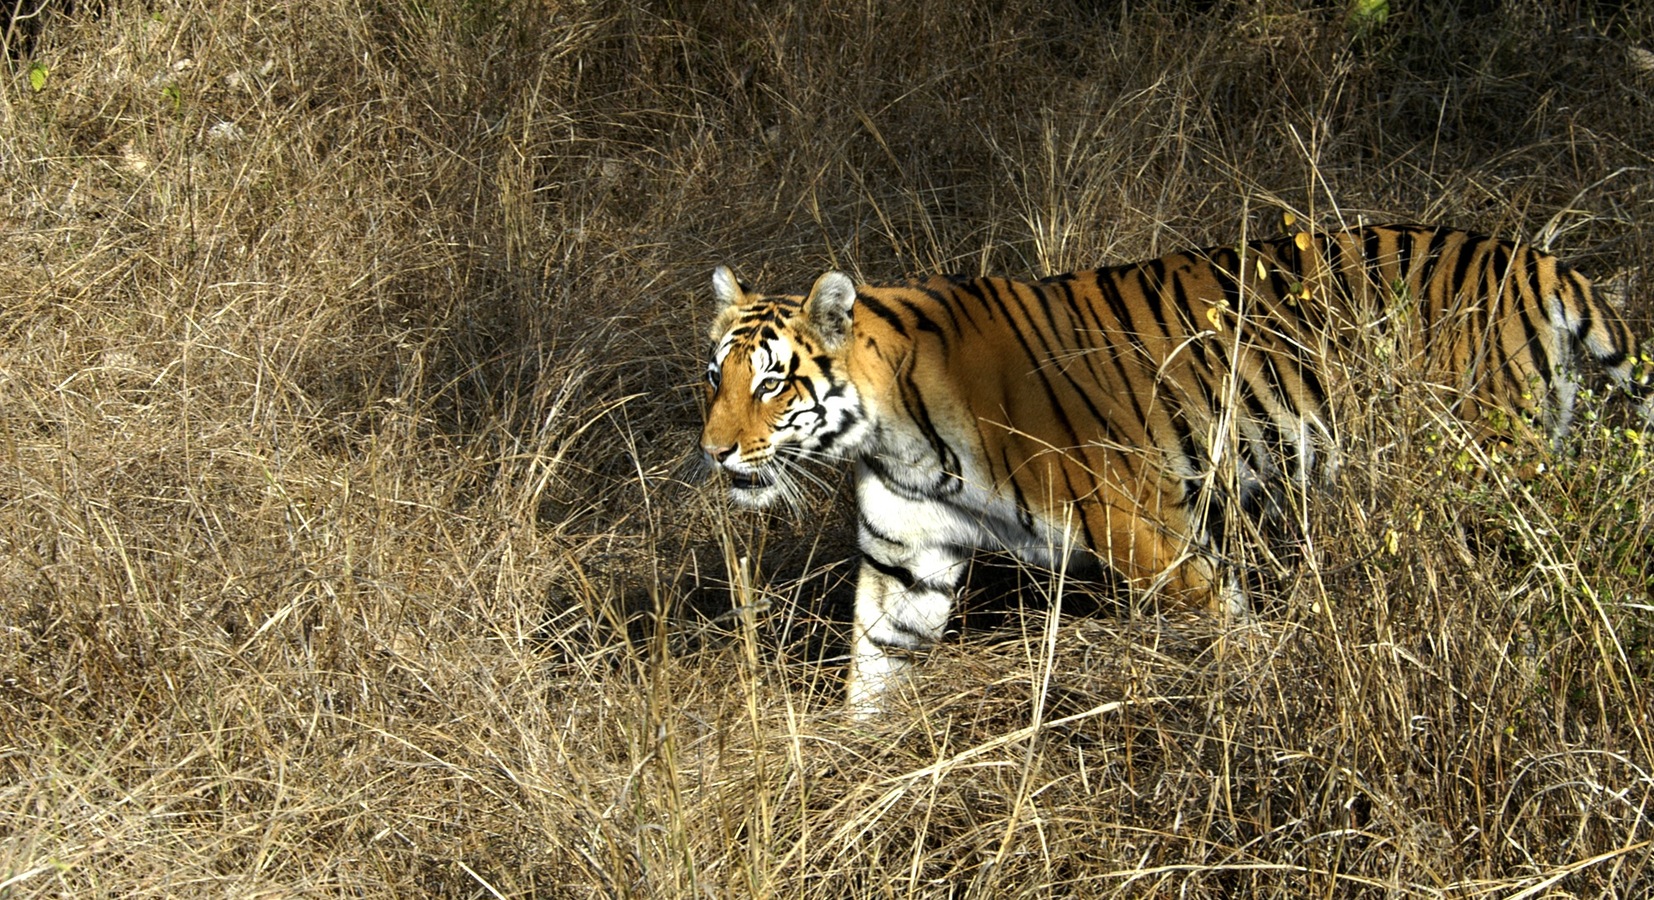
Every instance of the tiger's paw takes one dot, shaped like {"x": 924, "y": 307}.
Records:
{"x": 875, "y": 676}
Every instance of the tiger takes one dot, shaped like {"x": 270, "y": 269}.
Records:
{"x": 1118, "y": 415}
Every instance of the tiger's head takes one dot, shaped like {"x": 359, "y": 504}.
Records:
{"x": 777, "y": 386}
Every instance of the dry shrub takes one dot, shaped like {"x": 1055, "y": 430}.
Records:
{"x": 349, "y": 538}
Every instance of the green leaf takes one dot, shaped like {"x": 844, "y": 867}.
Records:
{"x": 1367, "y": 15}
{"x": 37, "y": 77}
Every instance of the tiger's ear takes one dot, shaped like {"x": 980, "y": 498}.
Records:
{"x": 728, "y": 290}
{"x": 725, "y": 286}
{"x": 828, "y": 308}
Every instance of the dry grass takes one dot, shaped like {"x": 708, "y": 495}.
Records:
{"x": 347, "y": 365}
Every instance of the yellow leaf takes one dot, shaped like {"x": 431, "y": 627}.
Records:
{"x": 1288, "y": 219}
{"x": 1215, "y": 316}
{"x": 1263, "y": 271}
{"x": 1301, "y": 240}
{"x": 1392, "y": 542}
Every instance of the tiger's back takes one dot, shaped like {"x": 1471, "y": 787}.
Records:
{"x": 1124, "y": 412}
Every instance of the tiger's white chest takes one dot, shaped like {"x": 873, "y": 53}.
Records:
{"x": 930, "y": 512}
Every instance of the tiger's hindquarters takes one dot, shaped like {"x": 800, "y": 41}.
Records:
{"x": 1585, "y": 324}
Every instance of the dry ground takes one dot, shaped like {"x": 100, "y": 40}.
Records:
{"x": 350, "y": 543}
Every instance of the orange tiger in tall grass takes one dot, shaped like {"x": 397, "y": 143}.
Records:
{"x": 1120, "y": 412}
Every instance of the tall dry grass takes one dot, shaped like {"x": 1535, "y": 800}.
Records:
{"x": 349, "y": 543}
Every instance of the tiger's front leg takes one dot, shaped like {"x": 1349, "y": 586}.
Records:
{"x": 905, "y": 591}
{"x": 900, "y": 613}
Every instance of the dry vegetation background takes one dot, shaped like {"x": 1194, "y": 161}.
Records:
{"x": 350, "y": 538}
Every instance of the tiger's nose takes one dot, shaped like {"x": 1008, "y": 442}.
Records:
{"x": 718, "y": 453}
